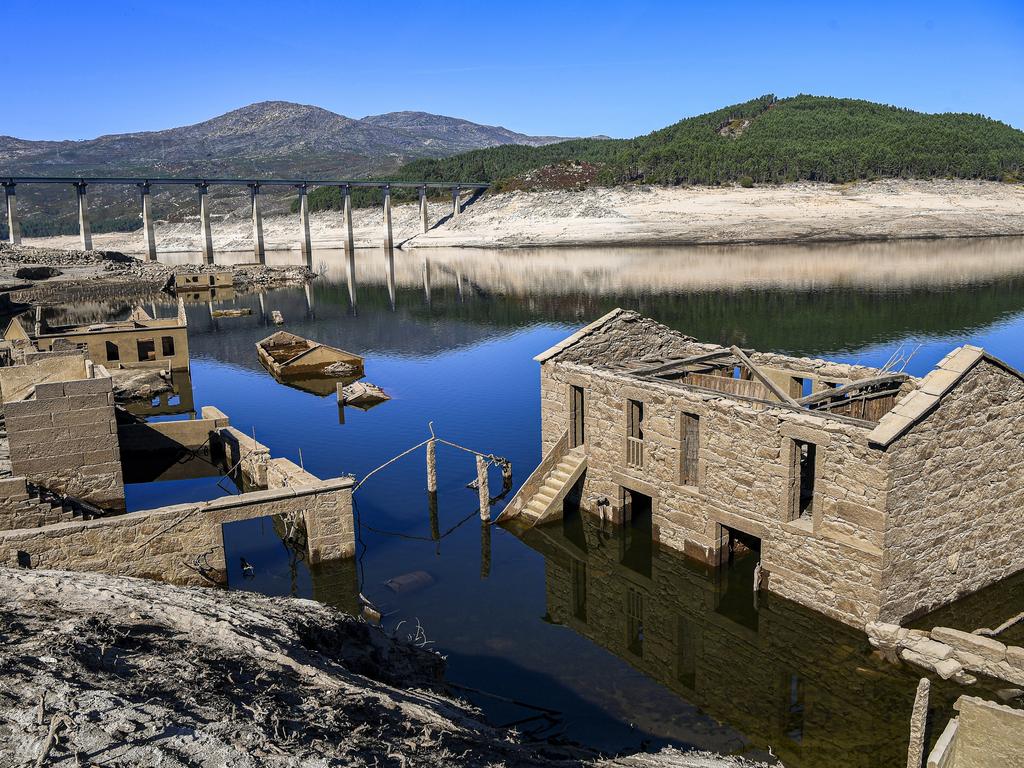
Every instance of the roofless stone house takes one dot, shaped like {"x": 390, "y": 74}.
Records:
{"x": 869, "y": 494}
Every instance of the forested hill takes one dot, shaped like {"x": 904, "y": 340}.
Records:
{"x": 768, "y": 140}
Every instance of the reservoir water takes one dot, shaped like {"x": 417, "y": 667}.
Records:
{"x": 570, "y": 631}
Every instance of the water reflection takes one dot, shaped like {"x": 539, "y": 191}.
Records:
{"x": 788, "y": 678}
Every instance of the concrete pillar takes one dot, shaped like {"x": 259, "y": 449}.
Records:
{"x": 147, "y": 223}
{"x": 305, "y": 243}
{"x": 388, "y": 242}
{"x": 485, "y": 494}
{"x": 38, "y": 325}
{"x": 258, "y": 251}
{"x": 426, "y": 279}
{"x": 13, "y": 225}
{"x": 918, "y": 725}
{"x": 204, "y": 218}
{"x": 350, "y": 244}
{"x": 424, "y": 223}
{"x": 455, "y": 202}
{"x": 350, "y": 275}
{"x": 84, "y": 231}
{"x": 432, "y": 466}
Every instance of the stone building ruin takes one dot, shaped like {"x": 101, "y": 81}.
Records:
{"x": 868, "y": 494}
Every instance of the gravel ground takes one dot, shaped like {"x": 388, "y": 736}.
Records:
{"x": 129, "y": 672}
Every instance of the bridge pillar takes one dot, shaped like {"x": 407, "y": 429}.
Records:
{"x": 257, "y": 225}
{"x": 424, "y": 223}
{"x": 84, "y": 230}
{"x": 346, "y": 192}
{"x": 204, "y": 218}
{"x": 305, "y": 243}
{"x": 388, "y": 242}
{"x": 13, "y": 225}
{"x": 456, "y": 210}
{"x": 147, "y": 223}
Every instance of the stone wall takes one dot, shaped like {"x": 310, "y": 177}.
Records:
{"x": 831, "y": 562}
{"x": 956, "y": 508}
{"x": 985, "y": 735}
{"x": 64, "y": 438}
{"x": 183, "y": 544}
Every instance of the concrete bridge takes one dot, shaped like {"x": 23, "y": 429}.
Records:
{"x": 145, "y": 185}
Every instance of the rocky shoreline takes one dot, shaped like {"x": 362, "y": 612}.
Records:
{"x": 74, "y": 275}
{"x": 134, "y": 672}
{"x": 889, "y": 209}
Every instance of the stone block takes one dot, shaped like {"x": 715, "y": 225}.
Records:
{"x": 1015, "y": 656}
{"x": 929, "y": 648}
{"x": 87, "y": 386}
{"x": 985, "y": 647}
{"x": 49, "y": 390}
{"x": 80, "y": 402}
{"x": 35, "y": 408}
{"x": 103, "y": 414}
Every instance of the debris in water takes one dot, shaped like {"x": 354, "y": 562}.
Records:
{"x": 361, "y": 394}
{"x": 409, "y": 582}
{"x": 277, "y": 317}
{"x": 232, "y": 312}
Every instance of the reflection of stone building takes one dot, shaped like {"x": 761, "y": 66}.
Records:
{"x": 785, "y": 676}
{"x": 868, "y": 493}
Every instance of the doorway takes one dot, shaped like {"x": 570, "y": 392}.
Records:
{"x": 738, "y": 572}
{"x": 637, "y": 531}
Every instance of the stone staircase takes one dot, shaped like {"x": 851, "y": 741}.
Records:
{"x": 49, "y": 507}
{"x": 543, "y": 492}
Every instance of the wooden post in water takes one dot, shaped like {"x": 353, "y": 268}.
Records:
{"x": 258, "y": 250}
{"x": 485, "y": 550}
{"x": 305, "y": 243}
{"x": 84, "y": 230}
{"x": 204, "y": 220}
{"x": 147, "y": 223}
{"x": 485, "y": 494}
{"x": 13, "y": 226}
{"x": 432, "y": 466}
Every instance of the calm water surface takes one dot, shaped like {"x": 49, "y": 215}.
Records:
{"x": 631, "y": 645}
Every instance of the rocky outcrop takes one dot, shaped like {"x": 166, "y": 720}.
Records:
{"x": 950, "y": 653}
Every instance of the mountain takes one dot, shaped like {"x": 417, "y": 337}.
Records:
{"x": 268, "y": 139}
{"x": 767, "y": 139}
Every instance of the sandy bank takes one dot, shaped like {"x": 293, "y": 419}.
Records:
{"x": 802, "y": 212}
{"x": 134, "y": 672}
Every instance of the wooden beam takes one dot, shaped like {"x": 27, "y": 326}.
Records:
{"x": 681, "y": 361}
{"x": 772, "y": 386}
{"x": 854, "y": 386}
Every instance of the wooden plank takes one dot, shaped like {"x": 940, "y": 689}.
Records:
{"x": 772, "y": 386}
{"x": 668, "y": 366}
{"x": 855, "y": 386}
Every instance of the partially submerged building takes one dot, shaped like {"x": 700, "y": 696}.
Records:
{"x": 869, "y": 494}
{"x": 140, "y": 340}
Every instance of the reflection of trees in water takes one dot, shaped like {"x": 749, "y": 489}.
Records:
{"x": 796, "y": 320}
{"x": 794, "y": 680}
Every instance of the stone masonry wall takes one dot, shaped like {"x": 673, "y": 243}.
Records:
{"x": 831, "y": 563}
{"x": 956, "y": 508}
{"x": 164, "y": 543}
{"x": 64, "y": 438}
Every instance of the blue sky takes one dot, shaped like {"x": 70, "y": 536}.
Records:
{"x": 77, "y": 70}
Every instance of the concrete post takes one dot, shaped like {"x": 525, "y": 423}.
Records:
{"x": 918, "y": 724}
{"x": 13, "y": 225}
{"x": 388, "y": 242}
{"x": 258, "y": 251}
{"x": 38, "y": 325}
{"x": 485, "y": 494}
{"x": 305, "y": 244}
{"x": 455, "y": 202}
{"x": 424, "y": 223}
{"x": 426, "y": 279}
{"x": 204, "y": 218}
{"x": 84, "y": 231}
{"x": 350, "y": 244}
{"x": 432, "y": 466}
{"x": 147, "y": 223}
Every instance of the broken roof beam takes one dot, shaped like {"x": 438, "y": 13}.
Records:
{"x": 682, "y": 361}
{"x": 854, "y": 386}
{"x": 772, "y": 386}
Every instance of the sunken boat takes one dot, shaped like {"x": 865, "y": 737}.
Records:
{"x": 307, "y": 364}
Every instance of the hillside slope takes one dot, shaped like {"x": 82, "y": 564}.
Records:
{"x": 812, "y": 138}
{"x": 268, "y": 139}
